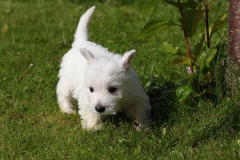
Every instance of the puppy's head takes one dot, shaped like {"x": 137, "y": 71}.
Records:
{"x": 106, "y": 81}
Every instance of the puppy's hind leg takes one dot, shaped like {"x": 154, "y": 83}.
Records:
{"x": 140, "y": 113}
{"x": 65, "y": 98}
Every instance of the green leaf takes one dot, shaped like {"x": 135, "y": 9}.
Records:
{"x": 169, "y": 49}
{"x": 198, "y": 46}
{"x": 155, "y": 26}
{"x": 197, "y": 17}
{"x": 199, "y": 94}
{"x": 210, "y": 56}
{"x": 218, "y": 24}
{"x": 191, "y": 76}
{"x": 192, "y": 13}
{"x": 183, "y": 92}
{"x": 184, "y": 62}
{"x": 205, "y": 57}
{"x": 145, "y": 5}
{"x": 173, "y": 3}
{"x": 182, "y": 77}
{"x": 201, "y": 60}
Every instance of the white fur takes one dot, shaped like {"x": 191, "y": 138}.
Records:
{"x": 90, "y": 74}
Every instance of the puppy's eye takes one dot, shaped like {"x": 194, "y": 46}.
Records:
{"x": 91, "y": 89}
{"x": 112, "y": 89}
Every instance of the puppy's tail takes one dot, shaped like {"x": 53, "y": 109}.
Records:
{"x": 82, "y": 29}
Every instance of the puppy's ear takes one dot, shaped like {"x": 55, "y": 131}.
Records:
{"x": 127, "y": 58}
{"x": 87, "y": 54}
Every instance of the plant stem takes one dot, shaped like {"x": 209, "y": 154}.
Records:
{"x": 207, "y": 23}
{"x": 185, "y": 34}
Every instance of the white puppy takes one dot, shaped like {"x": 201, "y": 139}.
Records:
{"x": 102, "y": 82}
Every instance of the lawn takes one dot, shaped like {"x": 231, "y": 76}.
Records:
{"x": 34, "y": 35}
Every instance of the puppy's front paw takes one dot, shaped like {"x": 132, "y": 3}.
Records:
{"x": 140, "y": 126}
{"x": 67, "y": 108}
{"x": 91, "y": 127}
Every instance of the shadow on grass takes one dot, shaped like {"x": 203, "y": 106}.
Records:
{"x": 159, "y": 97}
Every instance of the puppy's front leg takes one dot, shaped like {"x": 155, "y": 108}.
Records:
{"x": 140, "y": 113}
{"x": 142, "y": 116}
{"x": 90, "y": 121}
{"x": 64, "y": 96}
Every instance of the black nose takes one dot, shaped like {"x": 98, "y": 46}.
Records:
{"x": 100, "y": 109}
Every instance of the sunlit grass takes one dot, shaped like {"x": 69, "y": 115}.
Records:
{"x": 36, "y": 34}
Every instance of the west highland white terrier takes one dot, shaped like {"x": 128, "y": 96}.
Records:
{"x": 102, "y": 82}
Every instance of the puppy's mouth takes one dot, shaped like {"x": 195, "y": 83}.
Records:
{"x": 103, "y": 110}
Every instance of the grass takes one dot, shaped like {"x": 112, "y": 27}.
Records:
{"x": 35, "y": 35}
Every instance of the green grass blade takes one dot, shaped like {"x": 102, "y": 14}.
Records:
{"x": 155, "y": 26}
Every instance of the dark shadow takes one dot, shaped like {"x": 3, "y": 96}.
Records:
{"x": 161, "y": 98}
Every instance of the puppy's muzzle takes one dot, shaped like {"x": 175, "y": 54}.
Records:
{"x": 100, "y": 109}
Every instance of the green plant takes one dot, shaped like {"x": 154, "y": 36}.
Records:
{"x": 201, "y": 57}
